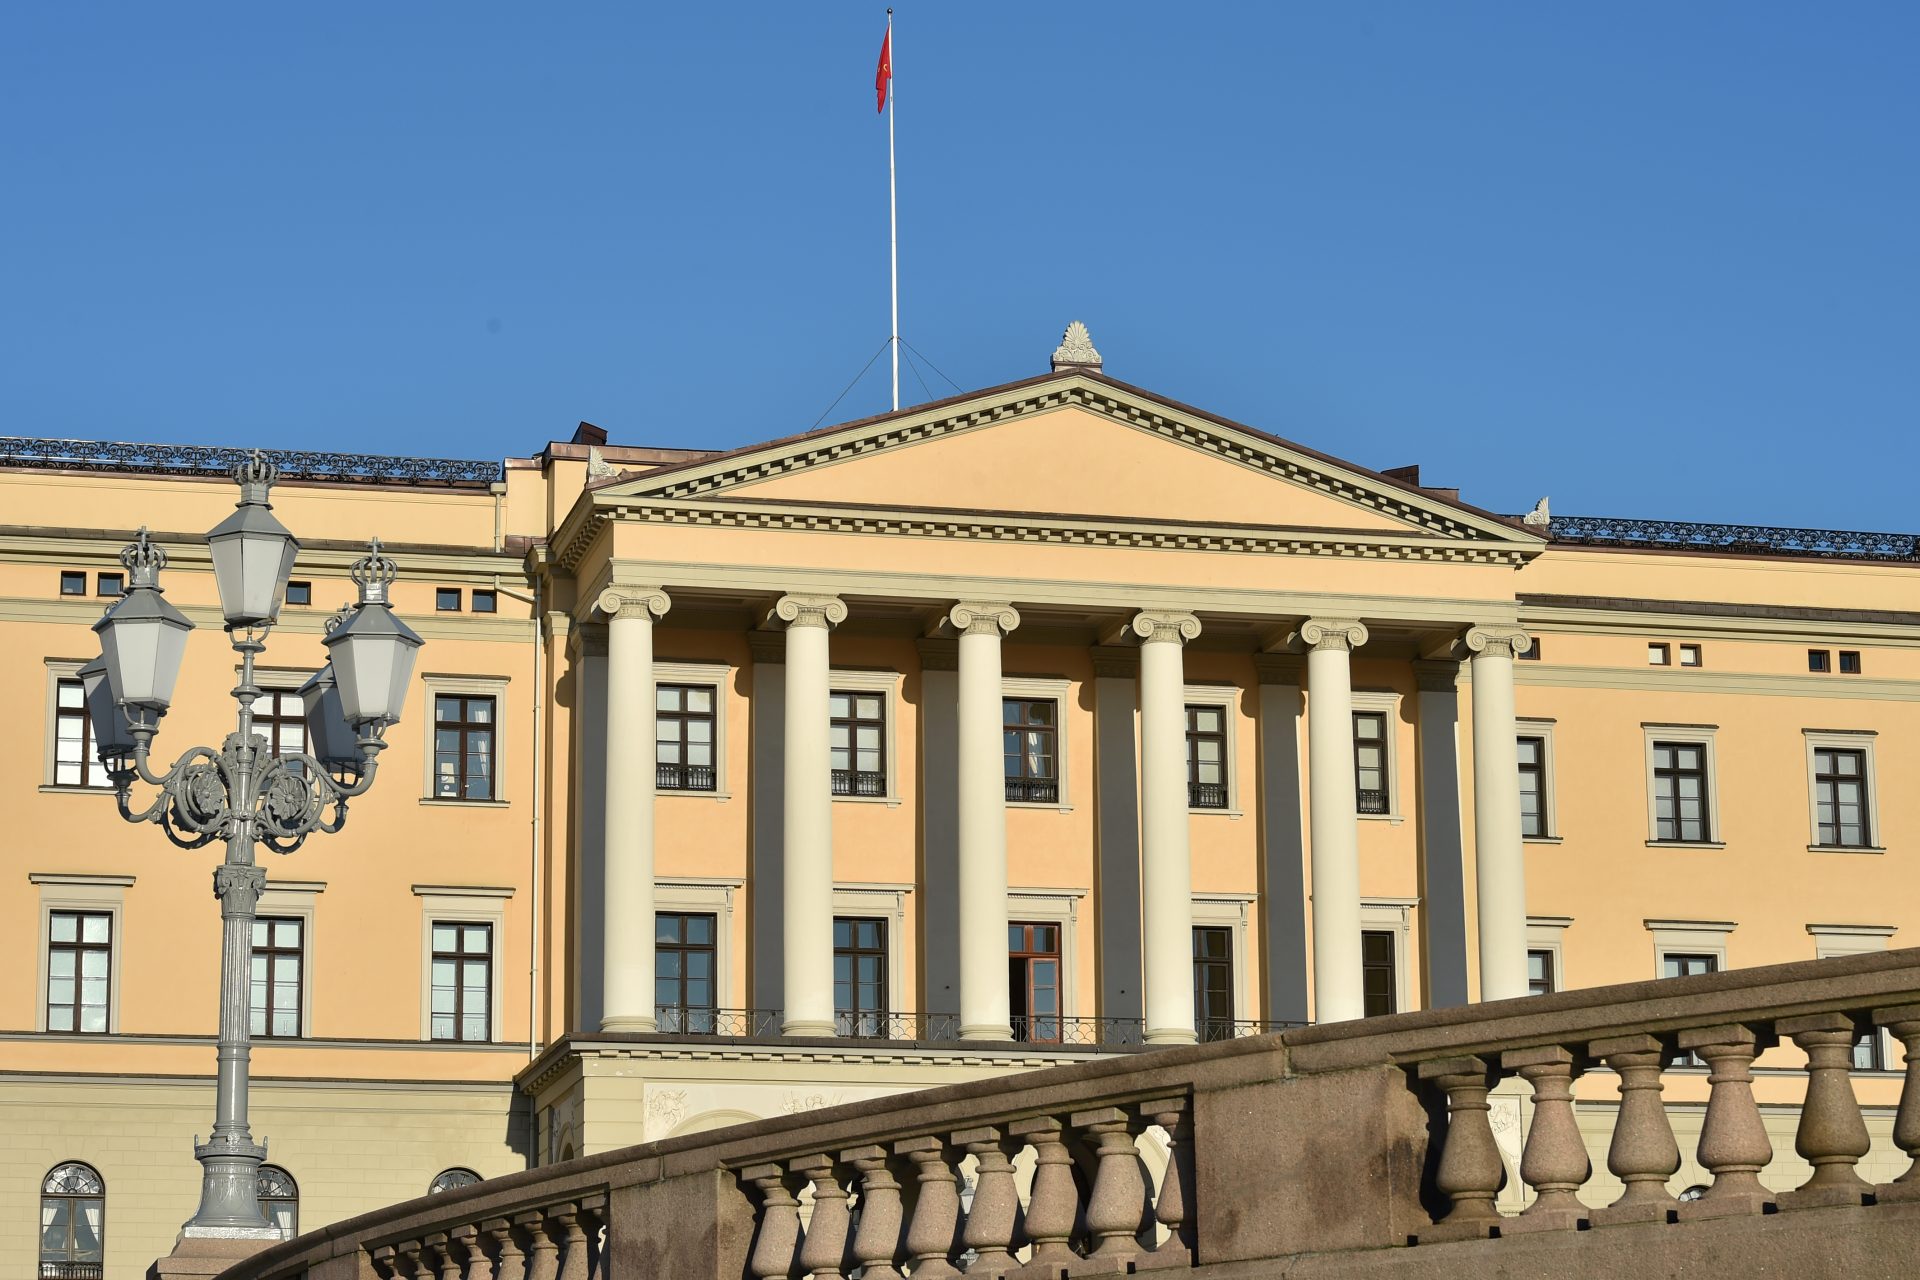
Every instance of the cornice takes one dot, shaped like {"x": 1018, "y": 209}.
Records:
{"x": 1704, "y": 620}
{"x": 1675, "y": 680}
{"x": 86, "y": 610}
{"x": 318, "y": 557}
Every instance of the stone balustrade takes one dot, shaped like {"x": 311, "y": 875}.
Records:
{"x": 1323, "y": 1150}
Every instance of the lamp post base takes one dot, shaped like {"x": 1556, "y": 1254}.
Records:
{"x": 201, "y": 1258}
{"x": 229, "y": 1184}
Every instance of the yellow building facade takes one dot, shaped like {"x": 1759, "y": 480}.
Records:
{"x": 1056, "y": 718}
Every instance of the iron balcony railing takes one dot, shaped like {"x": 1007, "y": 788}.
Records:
{"x": 1368, "y": 801}
{"x": 1034, "y": 790}
{"x": 1206, "y": 795}
{"x": 70, "y": 1270}
{"x": 683, "y": 777}
{"x": 1738, "y": 539}
{"x": 877, "y": 1024}
{"x": 206, "y": 460}
{"x": 735, "y": 1024}
{"x": 859, "y": 782}
{"x": 1089, "y": 1033}
{"x": 1214, "y": 1030}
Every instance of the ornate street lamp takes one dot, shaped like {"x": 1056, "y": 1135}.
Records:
{"x": 241, "y": 793}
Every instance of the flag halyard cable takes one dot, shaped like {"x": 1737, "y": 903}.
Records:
{"x": 883, "y": 85}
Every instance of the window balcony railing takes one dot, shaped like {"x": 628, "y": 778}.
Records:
{"x": 1370, "y": 801}
{"x": 1034, "y": 790}
{"x": 859, "y": 782}
{"x": 683, "y": 777}
{"x": 70, "y": 1270}
{"x": 696, "y": 1020}
{"x": 1214, "y": 1030}
{"x": 1092, "y": 1033}
{"x": 1206, "y": 795}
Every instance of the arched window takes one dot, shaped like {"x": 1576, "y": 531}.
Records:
{"x": 73, "y": 1206}
{"x": 280, "y": 1199}
{"x": 451, "y": 1179}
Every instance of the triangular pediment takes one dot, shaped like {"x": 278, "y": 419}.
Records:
{"x": 1071, "y": 447}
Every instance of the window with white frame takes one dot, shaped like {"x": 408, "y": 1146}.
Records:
{"x": 1831, "y": 940}
{"x": 1684, "y": 948}
{"x": 863, "y": 713}
{"x": 1682, "y": 793}
{"x": 1048, "y": 956}
{"x": 1546, "y": 965}
{"x": 1212, "y": 730}
{"x": 1385, "y": 924}
{"x": 71, "y": 758}
{"x": 708, "y": 899}
{"x": 465, "y": 760}
{"x": 80, "y": 952}
{"x": 1840, "y": 790}
{"x": 1034, "y": 733}
{"x": 1221, "y": 968}
{"x": 463, "y": 928}
{"x": 1533, "y": 750}
{"x": 1376, "y": 721}
{"x": 690, "y": 728}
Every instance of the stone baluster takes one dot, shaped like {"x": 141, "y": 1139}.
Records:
{"x": 1643, "y": 1154}
{"x": 1555, "y": 1161}
{"x": 936, "y": 1209}
{"x": 543, "y": 1252}
{"x": 1904, "y": 1023}
{"x": 824, "y": 1249}
{"x": 564, "y": 1222}
{"x": 386, "y": 1262}
{"x": 1117, "y": 1206}
{"x": 1734, "y": 1145}
{"x": 1470, "y": 1172}
{"x": 513, "y": 1259}
{"x": 876, "y": 1241}
{"x": 467, "y": 1240}
{"x": 995, "y": 1211}
{"x": 1170, "y": 1207}
{"x": 1053, "y": 1203}
{"x": 446, "y": 1261}
{"x": 407, "y": 1261}
{"x": 1832, "y": 1135}
{"x": 776, "y": 1248}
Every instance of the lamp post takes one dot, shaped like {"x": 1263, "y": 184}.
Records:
{"x": 241, "y": 793}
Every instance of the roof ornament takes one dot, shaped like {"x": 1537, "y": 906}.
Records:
{"x": 597, "y": 465}
{"x": 1076, "y": 350}
{"x": 1539, "y": 517}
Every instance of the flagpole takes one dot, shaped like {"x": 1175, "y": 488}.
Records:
{"x": 893, "y": 221}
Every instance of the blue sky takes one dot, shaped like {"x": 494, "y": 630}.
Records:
{"x": 1652, "y": 259}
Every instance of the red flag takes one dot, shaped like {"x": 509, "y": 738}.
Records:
{"x": 884, "y": 72}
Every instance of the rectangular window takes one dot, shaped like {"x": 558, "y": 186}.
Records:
{"x": 1840, "y": 797}
{"x": 1680, "y": 792}
{"x": 1819, "y": 659}
{"x": 859, "y": 976}
{"x": 73, "y": 582}
{"x": 859, "y": 735}
{"x": 462, "y": 981}
{"x": 1533, "y": 786}
{"x": 1206, "y": 757}
{"x": 1659, "y": 655}
{"x": 1849, "y": 662}
{"x": 1380, "y": 985}
{"x": 1531, "y": 653}
{"x": 1213, "y": 983}
{"x": 685, "y": 992}
{"x": 110, "y": 584}
{"x": 1370, "y": 762}
{"x": 1690, "y": 655}
{"x": 683, "y": 723}
{"x": 446, "y": 599}
{"x": 485, "y": 601}
{"x": 1869, "y": 1053}
{"x": 1032, "y": 738}
{"x": 75, "y": 759}
{"x": 1033, "y": 981}
{"x": 299, "y": 593}
{"x": 462, "y": 747}
{"x": 274, "y": 980}
{"x": 281, "y": 718}
{"x": 1677, "y": 964}
{"x": 79, "y": 963}
{"x": 1541, "y": 979}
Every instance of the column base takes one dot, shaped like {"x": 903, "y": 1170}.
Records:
{"x": 637, "y": 1022}
{"x": 1172, "y": 1035}
{"x": 986, "y": 1031}
{"x": 812, "y": 1027}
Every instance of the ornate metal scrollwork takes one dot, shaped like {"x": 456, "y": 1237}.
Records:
{"x": 301, "y": 464}
{"x": 1736, "y": 539}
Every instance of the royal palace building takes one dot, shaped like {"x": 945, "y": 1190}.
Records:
{"x": 1051, "y": 720}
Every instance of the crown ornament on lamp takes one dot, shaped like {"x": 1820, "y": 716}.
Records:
{"x": 252, "y": 551}
{"x": 371, "y": 653}
{"x": 143, "y": 638}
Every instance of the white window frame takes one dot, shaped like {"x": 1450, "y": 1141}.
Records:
{"x": 1860, "y": 740}
{"x": 1058, "y": 907}
{"x": 720, "y": 676}
{"x": 1703, "y": 734}
{"x": 1230, "y": 911}
{"x": 494, "y": 687}
{"x": 1542, "y": 728}
{"x": 1689, "y": 937}
{"x": 1395, "y": 915}
{"x": 463, "y": 904}
{"x": 1833, "y": 940}
{"x": 59, "y": 669}
{"x": 1057, "y": 691}
{"x": 65, "y": 891}
{"x": 886, "y": 683}
{"x": 888, "y": 902}
{"x": 1385, "y": 702}
{"x": 703, "y": 895}
{"x": 1548, "y": 933}
{"x": 294, "y": 899}
{"x": 1227, "y": 698}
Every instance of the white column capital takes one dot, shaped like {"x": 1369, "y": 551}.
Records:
{"x": 634, "y": 602}
{"x": 1497, "y": 642}
{"x": 1165, "y": 626}
{"x": 811, "y": 611}
{"x": 983, "y": 618}
{"x": 1345, "y": 634}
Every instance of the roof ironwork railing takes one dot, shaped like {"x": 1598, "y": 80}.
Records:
{"x": 1736, "y": 539}
{"x": 208, "y": 460}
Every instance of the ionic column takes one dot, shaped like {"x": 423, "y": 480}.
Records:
{"x": 982, "y": 820}
{"x": 626, "y": 962}
{"x": 1166, "y": 878}
{"x": 1333, "y": 827}
{"x": 807, "y": 826}
{"x": 1500, "y": 873}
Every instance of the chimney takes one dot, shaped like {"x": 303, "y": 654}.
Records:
{"x": 587, "y": 433}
